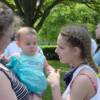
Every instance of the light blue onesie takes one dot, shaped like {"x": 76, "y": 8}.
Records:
{"x": 30, "y": 71}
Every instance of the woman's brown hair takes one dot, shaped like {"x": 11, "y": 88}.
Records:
{"x": 6, "y": 18}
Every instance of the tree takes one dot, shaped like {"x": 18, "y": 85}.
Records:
{"x": 35, "y": 12}
{"x": 62, "y": 15}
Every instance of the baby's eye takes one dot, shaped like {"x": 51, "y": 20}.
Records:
{"x": 28, "y": 43}
{"x": 34, "y": 43}
{"x": 61, "y": 47}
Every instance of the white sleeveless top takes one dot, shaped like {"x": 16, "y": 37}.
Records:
{"x": 67, "y": 91}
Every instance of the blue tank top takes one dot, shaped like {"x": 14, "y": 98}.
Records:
{"x": 30, "y": 71}
{"x": 36, "y": 61}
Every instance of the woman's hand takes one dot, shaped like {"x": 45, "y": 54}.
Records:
{"x": 4, "y": 59}
{"x": 54, "y": 78}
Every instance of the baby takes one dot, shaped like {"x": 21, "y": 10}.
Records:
{"x": 29, "y": 65}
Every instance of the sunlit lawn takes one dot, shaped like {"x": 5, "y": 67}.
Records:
{"x": 56, "y": 65}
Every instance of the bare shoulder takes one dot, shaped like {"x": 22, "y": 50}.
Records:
{"x": 84, "y": 79}
{"x": 80, "y": 81}
{"x": 3, "y": 79}
{"x": 82, "y": 85}
{"x": 6, "y": 91}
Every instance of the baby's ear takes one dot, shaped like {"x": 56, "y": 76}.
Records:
{"x": 18, "y": 43}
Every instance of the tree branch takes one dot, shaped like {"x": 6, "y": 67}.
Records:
{"x": 92, "y": 8}
{"x": 18, "y": 5}
{"x": 46, "y": 13}
{"x": 36, "y": 15}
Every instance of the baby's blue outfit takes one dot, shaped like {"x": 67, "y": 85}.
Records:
{"x": 30, "y": 71}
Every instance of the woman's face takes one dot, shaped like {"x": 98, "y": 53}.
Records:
{"x": 98, "y": 31}
{"x": 64, "y": 51}
{"x": 6, "y": 39}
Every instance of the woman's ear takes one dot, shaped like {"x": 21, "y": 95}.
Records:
{"x": 77, "y": 51}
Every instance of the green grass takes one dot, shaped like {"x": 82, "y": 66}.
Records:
{"x": 56, "y": 65}
{"x": 99, "y": 75}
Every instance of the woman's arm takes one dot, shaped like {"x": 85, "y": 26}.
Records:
{"x": 54, "y": 81}
{"x": 56, "y": 93}
{"x": 6, "y": 91}
{"x": 81, "y": 89}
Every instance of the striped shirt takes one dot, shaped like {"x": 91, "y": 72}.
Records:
{"x": 19, "y": 89}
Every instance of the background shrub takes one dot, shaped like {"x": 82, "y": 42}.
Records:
{"x": 49, "y": 52}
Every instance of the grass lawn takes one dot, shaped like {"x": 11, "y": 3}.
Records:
{"x": 56, "y": 65}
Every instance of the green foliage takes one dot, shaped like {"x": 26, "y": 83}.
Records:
{"x": 11, "y": 2}
{"x": 48, "y": 46}
{"x": 57, "y": 65}
{"x": 49, "y": 52}
{"x": 61, "y": 15}
{"x": 53, "y": 23}
{"x": 33, "y": 12}
{"x": 99, "y": 75}
{"x": 53, "y": 14}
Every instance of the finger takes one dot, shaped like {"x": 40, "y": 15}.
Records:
{"x": 58, "y": 70}
{"x": 48, "y": 80}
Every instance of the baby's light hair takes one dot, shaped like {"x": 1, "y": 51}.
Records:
{"x": 78, "y": 36}
{"x": 24, "y": 31}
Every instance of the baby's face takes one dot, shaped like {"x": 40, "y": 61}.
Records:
{"x": 28, "y": 44}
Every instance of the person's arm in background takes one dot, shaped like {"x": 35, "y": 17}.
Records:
{"x": 6, "y": 91}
